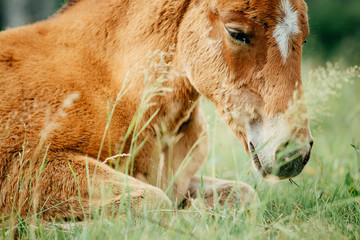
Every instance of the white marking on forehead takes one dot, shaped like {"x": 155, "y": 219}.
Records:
{"x": 287, "y": 26}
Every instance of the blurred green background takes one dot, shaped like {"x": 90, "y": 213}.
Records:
{"x": 335, "y": 26}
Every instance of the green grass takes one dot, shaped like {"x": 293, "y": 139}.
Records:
{"x": 324, "y": 205}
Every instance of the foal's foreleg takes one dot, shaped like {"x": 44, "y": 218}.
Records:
{"x": 71, "y": 186}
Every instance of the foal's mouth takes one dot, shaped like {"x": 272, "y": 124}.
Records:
{"x": 264, "y": 171}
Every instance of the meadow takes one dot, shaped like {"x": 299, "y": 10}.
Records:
{"x": 323, "y": 202}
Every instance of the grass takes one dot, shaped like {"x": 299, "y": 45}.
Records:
{"x": 325, "y": 203}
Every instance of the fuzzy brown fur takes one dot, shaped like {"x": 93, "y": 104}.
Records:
{"x": 59, "y": 79}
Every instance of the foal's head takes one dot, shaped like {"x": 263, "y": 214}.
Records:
{"x": 245, "y": 56}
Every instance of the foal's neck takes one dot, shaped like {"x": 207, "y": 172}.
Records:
{"x": 124, "y": 32}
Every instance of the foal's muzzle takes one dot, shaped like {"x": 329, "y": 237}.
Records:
{"x": 288, "y": 166}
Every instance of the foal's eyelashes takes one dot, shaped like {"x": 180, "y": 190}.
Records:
{"x": 238, "y": 36}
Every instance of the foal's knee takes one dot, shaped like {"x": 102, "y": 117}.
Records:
{"x": 153, "y": 198}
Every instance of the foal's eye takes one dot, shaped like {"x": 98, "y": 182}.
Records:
{"x": 238, "y": 36}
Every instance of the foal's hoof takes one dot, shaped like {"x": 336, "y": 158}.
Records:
{"x": 231, "y": 195}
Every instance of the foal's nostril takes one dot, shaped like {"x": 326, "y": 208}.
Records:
{"x": 285, "y": 144}
{"x": 282, "y": 148}
{"x": 291, "y": 159}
